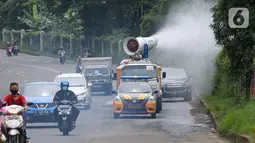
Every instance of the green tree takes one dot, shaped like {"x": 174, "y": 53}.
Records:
{"x": 238, "y": 44}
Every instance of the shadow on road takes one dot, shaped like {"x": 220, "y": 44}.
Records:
{"x": 41, "y": 127}
{"x": 137, "y": 117}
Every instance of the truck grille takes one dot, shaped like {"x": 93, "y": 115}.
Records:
{"x": 134, "y": 101}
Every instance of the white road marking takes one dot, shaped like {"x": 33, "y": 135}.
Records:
{"x": 33, "y": 66}
{"x": 109, "y": 102}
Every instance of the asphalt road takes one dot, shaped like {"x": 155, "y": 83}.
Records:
{"x": 179, "y": 122}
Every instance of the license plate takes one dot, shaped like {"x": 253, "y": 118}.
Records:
{"x": 134, "y": 106}
{"x": 97, "y": 86}
{"x": 42, "y": 112}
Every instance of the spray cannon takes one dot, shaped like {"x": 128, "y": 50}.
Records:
{"x": 134, "y": 46}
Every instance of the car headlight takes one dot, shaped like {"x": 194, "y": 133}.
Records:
{"x": 118, "y": 99}
{"x": 152, "y": 98}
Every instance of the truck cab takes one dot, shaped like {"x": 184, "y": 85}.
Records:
{"x": 98, "y": 71}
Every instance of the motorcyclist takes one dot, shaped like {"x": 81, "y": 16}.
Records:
{"x": 9, "y": 47}
{"x": 78, "y": 70}
{"x": 15, "y": 44}
{"x": 16, "y": 98}
{"x": 3, "y": 128}
{"x": 61, "y": 50}
{"x": 65, "y": 94}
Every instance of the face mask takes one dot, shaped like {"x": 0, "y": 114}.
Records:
{"x": 64, "y": 88}
{"x": 14, "y": 91}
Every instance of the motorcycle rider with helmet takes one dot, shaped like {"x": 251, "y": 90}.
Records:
{"x": 61, "y": 50}
{"x": 65, "y": 94}
{"x": 9, "y": 47}
{"x": 78, "y": 70}
{"x": 15, "y": 98}
{"x": 15, "y": 45}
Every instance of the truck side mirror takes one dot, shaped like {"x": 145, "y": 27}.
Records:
{"x": 114, "y": 76}
{"x": 164, "y": 74}
{"x": 155, "y": 92}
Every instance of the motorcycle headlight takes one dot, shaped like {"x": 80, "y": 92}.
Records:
{"x": 6, "y": 122}
{"x": 152, "y": 99}
{"x": 118, "y": 99}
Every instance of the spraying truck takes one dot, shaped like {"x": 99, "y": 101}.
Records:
{"x": 140, "y": 65}
{"x": 98, "y": 71}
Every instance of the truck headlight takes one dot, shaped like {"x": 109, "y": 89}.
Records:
{"x": 152, "y": 99}
{"x": 118, "y": 99}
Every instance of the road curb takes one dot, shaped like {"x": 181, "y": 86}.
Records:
{"x": 235, "y": 138}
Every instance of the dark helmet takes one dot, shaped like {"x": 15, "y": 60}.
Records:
{"x": 64, "y": 85}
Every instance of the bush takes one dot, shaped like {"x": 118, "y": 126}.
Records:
{"x": 233, "y": 117}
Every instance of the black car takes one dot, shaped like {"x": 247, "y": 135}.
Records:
{"x": 176, "y": 84}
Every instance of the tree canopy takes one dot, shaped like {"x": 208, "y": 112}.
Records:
{"x": 84, "y": 17}
{"x": 238, "y": 43}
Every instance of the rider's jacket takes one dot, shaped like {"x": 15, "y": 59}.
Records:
{"x": 61, "y": 51}
{"x": 21, "y": 100}
{"x": 65, "y": 95}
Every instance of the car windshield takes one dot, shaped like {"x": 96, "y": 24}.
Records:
{"x": 73, "y": 81}
{"x": 96, "y": 71}
{"x": 174, "y": 73}
{"x": 131, "y": 87}
{"x": 38, "y": 90}
{"x": 140, "y": 70}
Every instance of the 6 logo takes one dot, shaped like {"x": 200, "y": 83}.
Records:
{"x": 238, "y": 17}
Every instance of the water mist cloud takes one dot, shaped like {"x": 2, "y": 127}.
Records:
{"x": 186, "y": 41}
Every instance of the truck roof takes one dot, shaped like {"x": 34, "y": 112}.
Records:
{"x": 140, "y": 62}
{"x": 70, "y": 75}
{"x": 97, "y": 66}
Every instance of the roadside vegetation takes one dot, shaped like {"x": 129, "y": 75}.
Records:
{"x": 230, "y": 99}
{"x": 98, "y": 18}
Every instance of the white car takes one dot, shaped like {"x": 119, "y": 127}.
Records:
{"x": 77, "y": 84}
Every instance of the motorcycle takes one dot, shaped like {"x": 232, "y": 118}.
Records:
{"x": 62, "y": 58}
{"x": 9, "y": 52}
{"x": 14, "y": 123}
{"x": 78, "y": 68}
{"x": 15, "y": 50}
{"x": 2, "y": 127}
{"x": 65, "y": 124}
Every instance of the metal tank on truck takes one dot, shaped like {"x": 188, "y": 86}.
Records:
{"x": 139, "y": 65}
{"x": 137, "y": 46}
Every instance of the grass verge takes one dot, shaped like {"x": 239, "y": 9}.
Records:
{"x": 232, "y": 119}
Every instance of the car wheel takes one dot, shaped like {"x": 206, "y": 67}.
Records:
{"x": 153, "y": 115}
{"x": 116, "y": 115}
{"x": 188, "y": 97}
{"x": 158, "y": 106}
{"x": 87, "y": 107}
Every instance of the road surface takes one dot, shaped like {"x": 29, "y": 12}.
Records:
{"x": 179, "y": 122}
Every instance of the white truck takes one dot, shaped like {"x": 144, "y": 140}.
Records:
{"x": 98, "y": 70}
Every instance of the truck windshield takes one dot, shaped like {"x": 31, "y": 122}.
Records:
{"x": 140, "y": 70}
{"x": 133, "y": 87}
{"x": 96, "y": 71}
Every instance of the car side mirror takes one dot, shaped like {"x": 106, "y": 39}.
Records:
{"x": 164, "y": 75}
{"x": 114, "y": 76}
{"x": 29, "y": 103}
